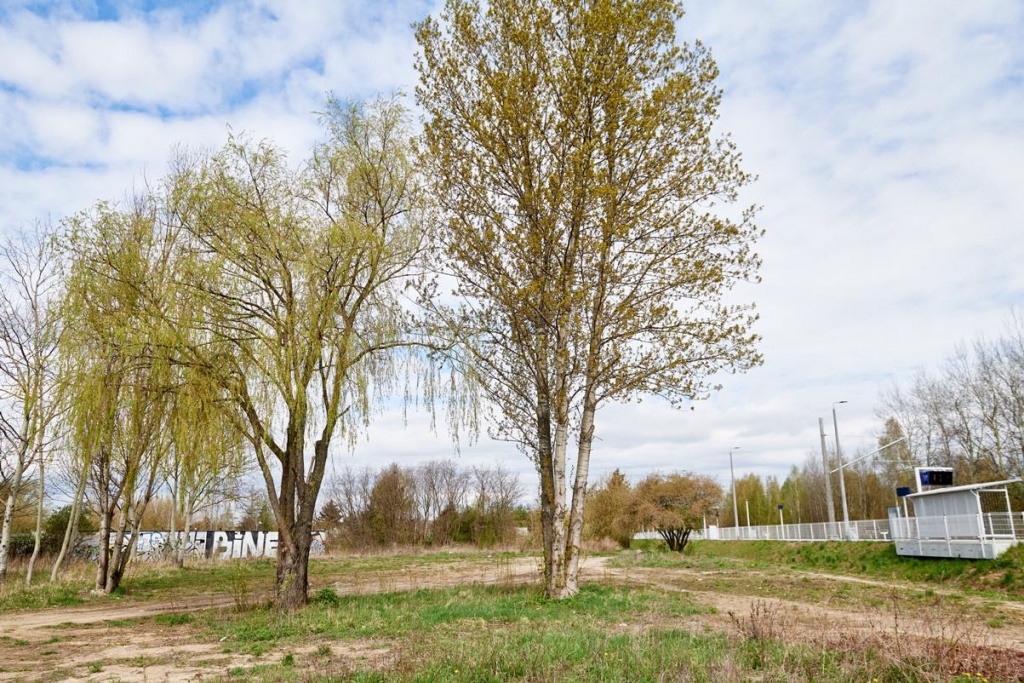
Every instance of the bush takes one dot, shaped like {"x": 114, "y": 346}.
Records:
{"x": 55, "y": 525}
{"x": 21, "y": 545}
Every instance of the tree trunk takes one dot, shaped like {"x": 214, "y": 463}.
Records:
{"x": 183, "y": 544}
{"x": 103, "y": 561}
{"x": 5, "y": 532}
{"x": 12, "y": 496}
{"x": 118, "y": 558}
{"x": 71, "y": 531}
{"x": 39, "y": 523}
{"x": 579, "y": 490}
{"x": 556, "y": 569}
{"x": 292, "y": 585}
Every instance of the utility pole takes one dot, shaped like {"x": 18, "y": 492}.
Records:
{"x": 828, "y": 474}
{"x": 842, "y": 479}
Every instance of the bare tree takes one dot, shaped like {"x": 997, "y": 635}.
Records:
{"x": 30, "y": 330}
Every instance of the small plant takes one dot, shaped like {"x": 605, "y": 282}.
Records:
{"x": 288, "y": 660}
{"x": 324, "y": 651}
{"x": 173, "y": 619}
{"x": 94, "y": 667}
{"x": 761, "y": 629}
{"x": 239, "y": 585}
{"x": 327, "y": 596}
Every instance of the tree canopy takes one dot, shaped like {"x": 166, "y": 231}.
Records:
{"x": 571, "y": 148}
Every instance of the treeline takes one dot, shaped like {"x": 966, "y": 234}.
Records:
{"x": 436, "y": 503}
{"x": 802, "y": 495}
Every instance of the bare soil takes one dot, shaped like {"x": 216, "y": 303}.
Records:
{"x": 124, "y": 643}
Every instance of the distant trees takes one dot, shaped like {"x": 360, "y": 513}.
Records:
{"x": 608, "y": 509}
{"x": 969, "y": 414}
{"x": 434, "y": 503}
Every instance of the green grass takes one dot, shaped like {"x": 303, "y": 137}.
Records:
{"x": 608, "y": 633}
{"x": 15, "y": 595}
{"x": 398, "y": 615}
{"x": 873, "y": 560}
{"x": 173, "y": 619}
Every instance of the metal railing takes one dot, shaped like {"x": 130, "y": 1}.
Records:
{"x": 991, "y": 525}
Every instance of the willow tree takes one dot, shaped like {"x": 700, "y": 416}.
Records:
{"x": 295, "y": 275}
{"x": 572, "y": 148}
{"x": 118, "y": 378}
{"x": 209, "y": 455}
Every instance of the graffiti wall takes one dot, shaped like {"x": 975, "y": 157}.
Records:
{"x": 217, "y": 545}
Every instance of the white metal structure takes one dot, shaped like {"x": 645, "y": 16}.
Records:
{"x": 951, "y": 522}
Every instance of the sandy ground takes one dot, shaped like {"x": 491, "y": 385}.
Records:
{"x": 123, "y": 643}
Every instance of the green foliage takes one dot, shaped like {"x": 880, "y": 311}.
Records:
{"x": 571, "y": 151}
{"x": 56, "y": 524}
{"x": 21, "y": 545}
{"x": 174, "y": 619}
{"x": 327, "y": 596}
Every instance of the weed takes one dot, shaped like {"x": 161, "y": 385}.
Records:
{"x": 324, "y": 651}
{"x": 94, "y": 667}
{"x": 288, "y": 660}
{"x": 173, "y": 619}
{"x": 239, "y": 585}
{"x": 327, "y": 596}
{"x": 761, "y": 629}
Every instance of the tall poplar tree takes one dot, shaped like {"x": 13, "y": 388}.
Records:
{"x": 572, "y": 149}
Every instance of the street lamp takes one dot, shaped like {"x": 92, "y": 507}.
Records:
{"x": 735, "y": 508}
{"x": 842, "y": 479}
{"x": 828, "y": 479}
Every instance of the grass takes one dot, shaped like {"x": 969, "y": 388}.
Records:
{"x": 487, "y": 633}
{"x": 609, "y": 632}
{"x": 871, "y": 560}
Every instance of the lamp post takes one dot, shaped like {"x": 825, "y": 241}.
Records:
{"x": 842, "y": 479}
{"x": 830, "y": 501}
{"x": 735, "y": 507}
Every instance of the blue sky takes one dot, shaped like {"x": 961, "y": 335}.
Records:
{"x": 888, "y": 138}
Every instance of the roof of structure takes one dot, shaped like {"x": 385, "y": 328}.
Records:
{"x": 962, "y": 489}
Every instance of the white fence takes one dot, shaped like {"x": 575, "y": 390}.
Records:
{"x": 990, "y": 525}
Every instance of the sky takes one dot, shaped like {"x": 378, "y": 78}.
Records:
{"x": 887, "y": 137}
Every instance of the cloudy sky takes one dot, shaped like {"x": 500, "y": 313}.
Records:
{"x": 888, "y": 138}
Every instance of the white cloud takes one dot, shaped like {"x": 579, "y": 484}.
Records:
{"x": 889, "y": 140}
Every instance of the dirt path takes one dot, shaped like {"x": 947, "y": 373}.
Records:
{"x": 804, "y": 606}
